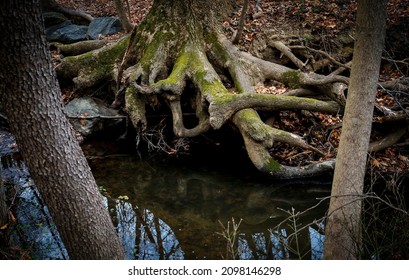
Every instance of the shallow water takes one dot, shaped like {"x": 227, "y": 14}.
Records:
{"x": 180, "y": 209}
{"x": 176, "y": 211}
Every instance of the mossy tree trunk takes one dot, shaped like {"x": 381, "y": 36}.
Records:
{"x": 180, "y": 43}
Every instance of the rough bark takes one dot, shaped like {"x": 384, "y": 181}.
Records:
{"x": 31, "y": 99}
{"x": 160, "y": 58}
{"x": 343, "y": 232}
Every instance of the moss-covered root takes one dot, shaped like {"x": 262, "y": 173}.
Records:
{"x": 264, "y": 134}
{"x": 178, "y": 126}
{"x": 90, "y": 68}
{"x": 171, "y": 87}
{"x": 262, "y": 160}
{"x": 79, "y": 47}
{"x": 223, "y": 107}
{"x": 135, "y": 107}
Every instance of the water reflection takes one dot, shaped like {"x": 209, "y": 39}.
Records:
{"x": 173, "y": 212}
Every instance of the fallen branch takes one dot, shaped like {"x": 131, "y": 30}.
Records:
{"x": 288, "y": 53}
{"x": 333, "y": 60}
{"x": 387, "y": 141}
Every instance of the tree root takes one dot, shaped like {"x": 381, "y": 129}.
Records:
{"x": 54, "y": 6}
{"x": 79, "y": 47}
{"x": 163, "y": 62}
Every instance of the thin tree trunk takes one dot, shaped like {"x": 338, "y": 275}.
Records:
{"x": 30, "y": 95}
{"x": 128, "y": 26}
{"x": 343, "y": 232}
{"x": 238, "y": 34}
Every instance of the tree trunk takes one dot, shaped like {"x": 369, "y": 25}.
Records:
{"x": 343, "y": 232}
{"x": 31, "y": 98}
{"x": 126, "y": 23}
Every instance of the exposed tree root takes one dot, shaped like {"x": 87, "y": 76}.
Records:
{"x": 79, "y": 47}
{"x": 167, "y": 61}
{"x": 51, "y": 5}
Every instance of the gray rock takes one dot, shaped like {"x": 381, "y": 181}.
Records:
{"x": 103, "y": 26}
{"x": 91, "y": 107}
{"x": 53, "y": 18}
{"x": 68, "y": 34}
{"x": 51, "y": 29}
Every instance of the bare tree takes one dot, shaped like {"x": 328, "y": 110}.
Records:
{"x": 343, "y": 233}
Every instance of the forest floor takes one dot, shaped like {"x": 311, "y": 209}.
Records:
{"x": 326, "y": 22}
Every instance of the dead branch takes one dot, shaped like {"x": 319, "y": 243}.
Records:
{"x": 387, "y": 141}
{"x": 401, "y": 84}
{"x": 329, "y": 57}
{"x": 288, "y": 53}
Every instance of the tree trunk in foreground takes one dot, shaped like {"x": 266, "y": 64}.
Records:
{"x": 31, "y": 98}
{"x": 343, "y": 229}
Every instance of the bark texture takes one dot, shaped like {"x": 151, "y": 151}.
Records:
{"x": 343, "y": 232}
{"x": 31, "y": 98}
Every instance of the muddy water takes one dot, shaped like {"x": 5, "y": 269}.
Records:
{"x": 176, "y": 211}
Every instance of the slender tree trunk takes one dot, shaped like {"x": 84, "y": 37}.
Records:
{"x": 30, "y": 95}
{"x": 239, "y": 32}
{"x": 343, "y": 232}
{"x": 122, "y": 16}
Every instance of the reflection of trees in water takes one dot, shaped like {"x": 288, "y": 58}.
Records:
{"x": 144, "y": 235}
{"x": 185, "y": 205}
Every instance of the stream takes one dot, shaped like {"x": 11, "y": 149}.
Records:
{"x": 182, "y": 210}
{"x": 177, "y": 210}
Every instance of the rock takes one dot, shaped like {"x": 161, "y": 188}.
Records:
{"x": 51, "y": 29}
{"x": 91, "y": 107}
{"x": 68, "y": 33}
{"x": 103, "y": 26}
{"x": 53, "y": 18}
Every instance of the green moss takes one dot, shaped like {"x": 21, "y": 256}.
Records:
{"x": 291, "y": 78}
{"x": 96, "y": 63}
{"x": 272, "y": 165}
{"x": 178, "y": 71}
